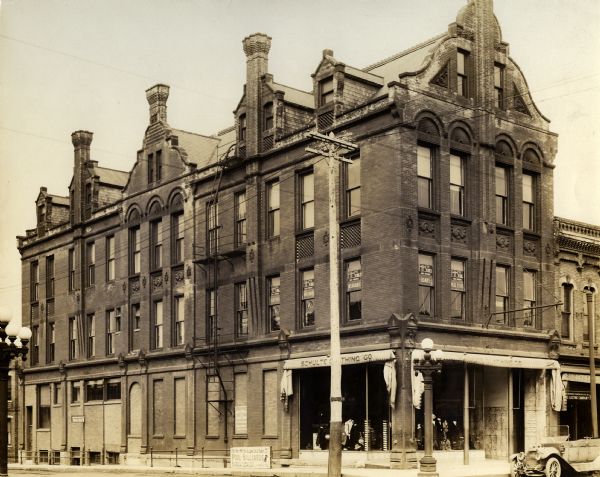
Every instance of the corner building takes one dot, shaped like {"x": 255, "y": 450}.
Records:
{"x": 185, "y": 304}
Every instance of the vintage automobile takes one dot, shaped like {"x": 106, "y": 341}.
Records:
{"x": 557, "y": 456}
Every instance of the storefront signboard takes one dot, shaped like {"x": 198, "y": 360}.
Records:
{"x": 250, "y": 457}
{"x": 349, "y": 358}
{"x": 77, "y": 418}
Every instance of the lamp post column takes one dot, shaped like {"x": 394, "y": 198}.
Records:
{"x": 4, "y": 361}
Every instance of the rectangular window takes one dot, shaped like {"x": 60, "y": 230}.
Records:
{"x": 502, "y": 294}
{"x": 242, "y": 127}
{"x": 73, "y": 336}
{"x": 178, "y": 305}
{"x": 457, "y": 289}
{"x": 499, "y": 85}
{"x": 353, "y": 290}
{"x": 180, "y": 396}
{"x": 211, "y": 315}
{"x": 158, "y": 158}
{"x": 113, "y": 326}
{"x": 156, "y": 241}
{"x": 157, "y": 318}
{"x": 56, "y": 394}
{"x": 35, "y": 281}
{"x": 94, "y": 390}
{"x": 50, "y": 276}
{"x": 90, "y": 258}
{"x": 326, "y": 91}
{"x": 240, "y": 219}
{"x": 51, "y": 337}
{"x": 241, "y": 304}
{"x": 528, "y": 202}
{"x": 213, "y": 412}
{"x": 426, "y": 285}
{"x": 75, "y": 392}
{"x": 113, "y": 390}
{"x": 212, "y": 224}
{"x": 462, "y": 79}
{"x": 135, "y": 250}
{"x": 240, "y": 424}
{"x": 268, "y": 116}
{"x": 91, "y": 329}
{"x": 352, "y": 183}
{"x": 134, "y": 326}
{"x": 150, "y": 163}
{"x": 270, "y": 398}
{"x": 307, "y": 201}
{"x": 502, "y": 195}
{"x": 35, "y": 344}
{"x": 44, "y": 406}
{"x": 529, "y": 297}
{"x": 71, "y": 269}
{"x": 425, "y": 177}
{"x": 457, "y": 185}
{"x": 177, "y": 237}
{"x": 308, "y": 297}
{"x": 273, "y": 209}
{"x": 110, "y": 258}
{"x": 274, "y": 302}
{"x": 566, "y": 329}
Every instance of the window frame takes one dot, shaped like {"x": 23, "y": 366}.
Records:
{"x": 91, "y": 334}
{"x": 156, "y": 244}
{"x": 50, "y": 279}
{"x": 502, "y": 200}
{"x": 348, "y": 314}
{"x": 456, "y": 291}
{"x": 352, "y": 188}
{"x": 326, "y": 91}
{"x": 268, "y": 116}
{"x": 35, "y": 281}
{"x": 158, "y": 321}
{"x": 177, "y": 237}
{"x": 110, "y": 259}
{"x": 72, "y": 269}
{"x": 179, "y": 320}
{"x": 35, "y": 344}
{"x": 211, "y": 316}
{"x": 499, "y": 86}
{"x": 567, "y": 298}
{"x": 274, "y": 303}
{"x": 212, "y": 227}
{"x": 242, "y": 127}
{"x": 51, "y": 339}
{"x": 273, "y": 191}
{"x": 460, "y": 188}
{"x": 73, "y": 338}
{"x": 135, "y": 251}
{"x": 462, "y": 74}
{"x": 306, "y": 204}
{"x": 307, "y": 302}
{"x": 430, "y": 310}
{"x": 504, "y": 297}
{"x": 241, "y": 309}
{"x": 135, "y": 323}
{"x": 429, "y": 181}
{"x": 90, "y": 258}
{"x": 529, "y": 207}
{"x": 531, "y": 301}
{"x": 240, "y": 218}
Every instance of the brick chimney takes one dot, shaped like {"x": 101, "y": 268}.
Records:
{"x": 81, "y": 143}
{"x": 157, "y": 99}
{"x": 485, "y": 24}
{"x": 256, "y": 48}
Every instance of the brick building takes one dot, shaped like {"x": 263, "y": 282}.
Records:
{"x": 162, "y": 297}
{"x": 578, "y": 260}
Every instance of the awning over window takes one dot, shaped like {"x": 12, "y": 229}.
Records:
{"x": 498, "y": 361}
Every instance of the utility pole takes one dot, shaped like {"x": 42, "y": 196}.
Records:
{"x": 332, "y": 149}
{"x": 592, "y": 348}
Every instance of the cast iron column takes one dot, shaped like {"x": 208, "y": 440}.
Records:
{"x": 428, "y": 364}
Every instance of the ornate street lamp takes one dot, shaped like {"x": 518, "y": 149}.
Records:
{"x": 427, "y": 363}
{"x": 13, "y": 343}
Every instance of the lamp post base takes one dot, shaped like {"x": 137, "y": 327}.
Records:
{"x": 427, "y": 467}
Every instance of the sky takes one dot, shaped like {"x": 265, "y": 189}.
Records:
{"x": 67, "y": 65}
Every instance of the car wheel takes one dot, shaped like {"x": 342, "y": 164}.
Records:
{"x": 553, "y": 467}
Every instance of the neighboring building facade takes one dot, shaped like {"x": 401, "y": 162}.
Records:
{"x": 13, "y": 411}
{"x": 185, "y": 304}
{"x": 578, "y": 260}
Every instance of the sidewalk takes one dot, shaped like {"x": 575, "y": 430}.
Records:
{"x": 488, "y": 468}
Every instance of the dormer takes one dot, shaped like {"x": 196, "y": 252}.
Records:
{"x": 51, "y": 211}
{"x": 338, "y": 87}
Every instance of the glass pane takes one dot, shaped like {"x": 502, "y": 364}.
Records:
{"x": 275, "y": 224}
{"x": 353, "y": 275}
{"x": 424, "y": 192}
{"x": 457, "y": 275}
{"x": 501, "y": 281}
{"x": 456, "y": 308}
{"x": 308, "y": 284}
{"x": 456, "y": 201}
{"x": 497, "y": 76}
{"x": 456, "y": 170}
{"x": 423, "y": 161}
{"x": 529, "y": 286}
{"x": 501, "y": 182}
{"x": 425, "y": 307}
{"x": 308, "y": 215}
{"x": 527, "y": 188}
{"x": 501, "y": 210}
{"x": 274, "y": 195}
{"x": 426, "y": 270}
{"x": 353, "y": 174}
{"x": 527, "y": 222}
{"x": 308, "y": 187}
{"x": 353, "y": 202}
{"x": 460, "y": 63}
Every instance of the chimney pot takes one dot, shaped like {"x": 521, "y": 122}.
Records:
{"x": 327, "y": 52}
{"x": 82, "y": 139}
{"x": 258, "y": 43}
